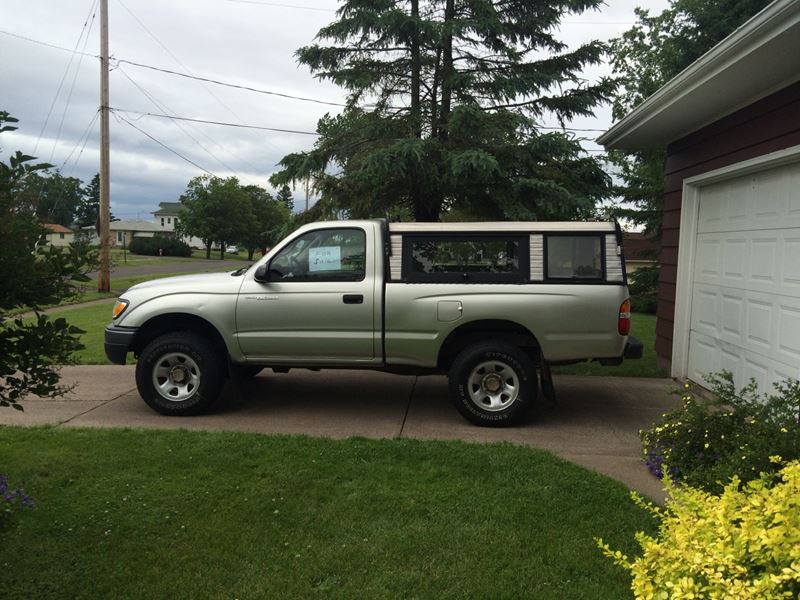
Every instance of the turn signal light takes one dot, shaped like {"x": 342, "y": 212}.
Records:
{"x": 624, "y": 323}
{"x": 119, "y": 308}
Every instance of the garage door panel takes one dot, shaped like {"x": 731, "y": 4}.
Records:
{"x": 705, "y": 353}
{"x": 765, "y": 200}
{"x": 762, "y": 261}
{"x": 759, "y": 325}
{"x": 791, "y": 265}
{"x": 709, "y": 355}
{"x": 706, "y": 310}
{"x": 734, "y": 251}
{"x": 788, "y": 342}
{"x": 755, "y": 260}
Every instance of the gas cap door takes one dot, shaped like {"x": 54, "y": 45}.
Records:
{"x": 449, "y": 310}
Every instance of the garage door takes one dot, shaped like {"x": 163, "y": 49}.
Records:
{"x": 745, "y": 306}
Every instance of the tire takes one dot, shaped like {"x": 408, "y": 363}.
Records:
{"x": 180, "y": 374}
{"x": 246, "y": 371}
{"x": 493, "y": 384}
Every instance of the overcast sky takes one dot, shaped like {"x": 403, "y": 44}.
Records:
{"x": 246, "y": 42}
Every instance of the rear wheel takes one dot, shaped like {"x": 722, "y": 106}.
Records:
{"x": 179, "y": 374}
{"x": 493, "y": 383}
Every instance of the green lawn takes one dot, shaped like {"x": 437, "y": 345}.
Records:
{"x": 144, "y": 514}
{"x": 644, "y": 328}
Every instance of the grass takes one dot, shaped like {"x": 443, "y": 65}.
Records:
{"x": 644, "y": 328}
{"x": 136, "y": 514}
{"x": 241, "y": 255}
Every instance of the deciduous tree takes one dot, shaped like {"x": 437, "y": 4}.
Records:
{"x": 32, "y": 275}
{"x": 645, "y": 58}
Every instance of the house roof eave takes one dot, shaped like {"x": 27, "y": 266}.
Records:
{"x": 759, "y": 58}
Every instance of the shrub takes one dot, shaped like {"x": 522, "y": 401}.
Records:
{"x": 9, "y": 497}
{"x": 160, "y": 246}
{"x": 706, "y": 442}
{"x": 643, "y": 288}
{"x": 743, "y": 544}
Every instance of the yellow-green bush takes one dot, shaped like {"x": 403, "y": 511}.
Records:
{"x": 743, "y": 544}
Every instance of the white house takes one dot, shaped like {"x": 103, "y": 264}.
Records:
{"x": 58, "y": 235}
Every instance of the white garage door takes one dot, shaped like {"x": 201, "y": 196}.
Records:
{"x": 745, "y": 308}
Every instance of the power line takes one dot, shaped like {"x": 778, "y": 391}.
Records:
{"x": 92, "y": 12}
{"x": 46, "y": 44}
{"x": 178, "y": 61}
{"x": 73, "y": 52}
{"x": 281, "y": 5}
{"x": 258, "y": 90}
{"x": 163, "y": 107}
{"x": 231, "y": 85}
{"x": 163, "y": 145}
{"x": 242, "y": 126}
{"x": 85, "y": 135}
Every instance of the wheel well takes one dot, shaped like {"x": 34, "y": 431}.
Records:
{"x": 177, "y": 322}
{"x": 488, "y": 329}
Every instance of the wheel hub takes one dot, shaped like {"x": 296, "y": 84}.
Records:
{"x": 179, "y": 374}
{"x": 176, "y": 376}
{"x": 492, "y": 383}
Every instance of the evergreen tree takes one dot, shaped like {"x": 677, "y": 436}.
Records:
{"x": 646, "y": 57}
{"x": 286, "y": 197}
{"x": 444, "y": 103}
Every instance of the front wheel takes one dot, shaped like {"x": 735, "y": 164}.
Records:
{"x": 179, "y": 374}
{"x": 493, "y": 383}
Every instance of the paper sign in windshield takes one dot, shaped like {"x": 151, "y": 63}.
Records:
{"x": 325, "y": 258}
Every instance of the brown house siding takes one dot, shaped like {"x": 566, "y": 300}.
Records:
{"x": 771, "y": 124}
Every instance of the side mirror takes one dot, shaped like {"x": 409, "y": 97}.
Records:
{"x": 262, "y": 273}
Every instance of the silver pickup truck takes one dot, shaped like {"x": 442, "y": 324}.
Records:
{"x": 489, "y": 304}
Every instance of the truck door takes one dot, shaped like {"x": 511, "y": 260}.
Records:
{"x": 318, "y": 305}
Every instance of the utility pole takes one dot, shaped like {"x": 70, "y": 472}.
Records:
{"x": 104, "y": 277}
{"x": 308, "y": 179}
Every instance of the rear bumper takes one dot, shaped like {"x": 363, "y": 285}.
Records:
{"x": 118, "y": 341}
{"x": 634, "y": 348}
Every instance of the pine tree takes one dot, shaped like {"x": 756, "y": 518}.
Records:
{"x": 286, "y": 197}
{"x": 444, "y": 103}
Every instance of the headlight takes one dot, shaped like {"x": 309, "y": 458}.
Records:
{"x": 119, "y": 308}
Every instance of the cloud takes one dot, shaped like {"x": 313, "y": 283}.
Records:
{"x": 248, "y": 44}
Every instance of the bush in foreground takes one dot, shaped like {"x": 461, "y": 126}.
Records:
{"x": 733, "y": 433}
{"x": 743, "y": 544}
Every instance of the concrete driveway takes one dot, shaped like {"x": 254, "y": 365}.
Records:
{"x": 594, "y": 424}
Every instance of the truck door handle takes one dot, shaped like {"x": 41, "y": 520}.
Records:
{"x": 353, "y": 299}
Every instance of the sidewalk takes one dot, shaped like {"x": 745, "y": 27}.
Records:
{"x": 594, "y": 424}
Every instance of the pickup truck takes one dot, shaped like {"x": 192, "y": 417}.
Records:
{"x": 492, "y": 305}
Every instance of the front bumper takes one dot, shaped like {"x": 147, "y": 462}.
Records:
{"x": 118, "y": 342}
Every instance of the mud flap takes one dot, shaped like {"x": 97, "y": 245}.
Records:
{"x": 546, "y": 379}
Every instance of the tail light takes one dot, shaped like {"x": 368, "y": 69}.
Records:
{"x": 624, "y": 323}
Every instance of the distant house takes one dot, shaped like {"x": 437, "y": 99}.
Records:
{"x": 640, "y": 250}
{"x": 167, "y": 215}
{"x": 58, "y": 235}
{"x": 164, "y": 221}
{"x": 729, "y": 293}
{"x": 124, "y": 230}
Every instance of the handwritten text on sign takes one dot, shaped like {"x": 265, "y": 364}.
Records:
{"x": 325, "y": 258}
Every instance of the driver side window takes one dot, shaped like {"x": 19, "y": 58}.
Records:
{"x": 323, "y": 255}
